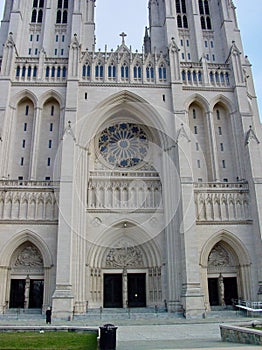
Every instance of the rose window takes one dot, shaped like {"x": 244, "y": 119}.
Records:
{"x": 123, "y": 145}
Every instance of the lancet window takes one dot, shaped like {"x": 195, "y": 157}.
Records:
{"x": 204, "y": 14}
{"x": 62, "y": 11}
{"x": 37, "y": 11}
{"x": 182, "y": 21}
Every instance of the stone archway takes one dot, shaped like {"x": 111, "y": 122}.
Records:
{"x": 224, "y": 285}
{"x": 125, "y": 274}
{"x": 25, "y": 254}
{"x": 225, "y": 271}
{"x": 26, "y": 278}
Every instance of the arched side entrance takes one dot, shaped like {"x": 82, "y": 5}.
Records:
{"x": 225, "y": 271}
{"x": 25, "y": 263}
{"x": 123, "y": 273}
{"x": 26, "y": 278}
{"x": 224, "y": 284}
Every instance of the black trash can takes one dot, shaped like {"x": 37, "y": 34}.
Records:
{"x": 107, "y": 337}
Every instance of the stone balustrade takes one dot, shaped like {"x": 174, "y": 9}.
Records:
{"x": 124, "y": 191}
{"x": 222, "y": 202}
{"x": 28, "y": 200}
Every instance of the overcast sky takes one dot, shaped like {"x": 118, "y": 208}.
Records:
{"x": 130, "y": 16}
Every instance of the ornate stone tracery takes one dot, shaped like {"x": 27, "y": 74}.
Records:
{"x": 123, "y": 145}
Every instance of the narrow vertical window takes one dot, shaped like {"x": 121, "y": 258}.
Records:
{"x": 224, "y": 164}
{"x": 23, "y": 144}
{"x": 181, "y": 14}
{"x": 26, "y": 110}
{"x": 52, "y": 110}
{"x": 51, "y": 127}
{"x": 25, "y": 126}
{"x": 48, "y": 161}
{"x": 50, "y": 144}
{"x": 198, "y": 164}
{"x": 221, "y": 147}
{"x": 194, "y": 114}
{"x": 219, "y": 130}
{"x": 22, "y": 161}
{"x": 195, "y": 130}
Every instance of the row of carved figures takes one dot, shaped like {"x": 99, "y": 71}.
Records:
{"x": 222, "y": 206}
{"x": 142, "y": 197}
{"x": 28, "y": 206}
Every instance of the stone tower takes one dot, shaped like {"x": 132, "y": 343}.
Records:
{"x": 127, "y": 179}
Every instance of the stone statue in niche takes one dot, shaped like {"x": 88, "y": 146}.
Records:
{"x": 29, "y": 257}
{"x": 218, "y": 257}
{"x": 124, "y": 257}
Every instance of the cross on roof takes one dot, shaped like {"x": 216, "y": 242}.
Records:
{"x": 123, "y": 35}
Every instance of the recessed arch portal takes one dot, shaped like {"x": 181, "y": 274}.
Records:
{"x": 119, "y": 259}
{"x": 225, "y": 270}
{"x": 26, "y": 261}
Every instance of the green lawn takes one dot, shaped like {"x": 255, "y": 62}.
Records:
{"x": 48, "y": 340}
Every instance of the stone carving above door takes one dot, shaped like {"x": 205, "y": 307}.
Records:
{"x": 29, "y": 257}
{"x": 124, "y": 257}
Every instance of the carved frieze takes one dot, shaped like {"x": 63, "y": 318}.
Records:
{"x": 124, "y": 257}
{"x": 30, "y": 256}
{"x": 218, "y": 257}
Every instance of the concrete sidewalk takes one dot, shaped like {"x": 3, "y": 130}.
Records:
{"x": 155, "y": 333}
{"x": 178, "y": 336}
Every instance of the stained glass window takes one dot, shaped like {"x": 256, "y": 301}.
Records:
{"x": 123, "y": 145}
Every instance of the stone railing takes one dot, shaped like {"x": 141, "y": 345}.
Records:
{"x": 30, "y": 69}
{"x": 124, "y": 191}
{"x": 193, "y": 74}
{"x": 28, "y": 200}
{"x": 222, "y": 202}
{"x": 219, "y": 75}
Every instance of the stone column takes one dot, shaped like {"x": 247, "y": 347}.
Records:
{"x": 27, "y": 291}
{"x": 221, "y": 290}
{"x": 125, "y": 293}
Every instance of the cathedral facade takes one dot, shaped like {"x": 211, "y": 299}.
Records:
{"x": 128, "y": 179}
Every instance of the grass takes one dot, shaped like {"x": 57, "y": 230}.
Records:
{"x": 48, "y": 340}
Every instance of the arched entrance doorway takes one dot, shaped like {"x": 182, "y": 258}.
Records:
{"x": 225, "y": 271}
{"x": 124, "y": 273}
{"x": 224, "y": 285}
{"x": 26, "y": 278}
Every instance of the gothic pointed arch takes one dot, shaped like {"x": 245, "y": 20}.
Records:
{"x": 231, "y": 240}
{"x": 142, "y": 111}
{"x": 200, "y": 100}
{"x": 20, "y": 96}
{"x": 21, "y": 238}
{"x": 200, "y": 145}
{"x": 51, "y": 94}
{"x": 223, "y": 100}
{"x": 225, "y": 266}
{"x": 123, "y": 234}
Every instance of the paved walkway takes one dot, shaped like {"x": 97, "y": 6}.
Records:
{"x": 178, "y": 336}
{"x": 157, "y": 334}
